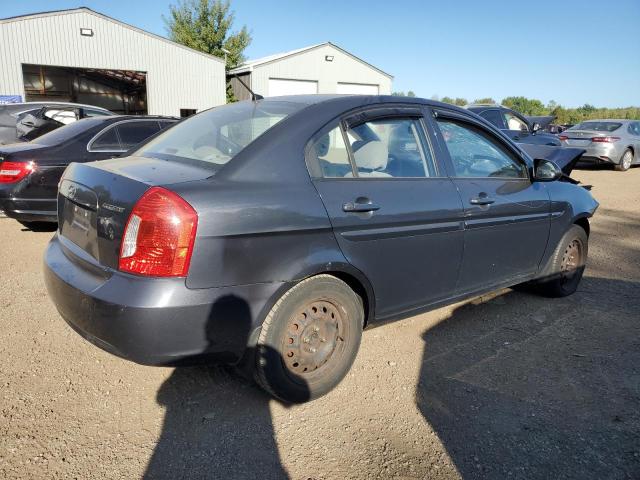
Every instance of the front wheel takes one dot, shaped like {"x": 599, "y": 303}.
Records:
{"x": 309, "y": 339}
{"x": 567, "y": 265}
{"x": 625, "y": 161}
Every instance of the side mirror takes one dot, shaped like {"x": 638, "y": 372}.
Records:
{"x": 535, "y": 127}
{"x": 545, "y": 170}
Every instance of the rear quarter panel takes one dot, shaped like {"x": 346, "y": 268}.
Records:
{"x": 252, "y": 232}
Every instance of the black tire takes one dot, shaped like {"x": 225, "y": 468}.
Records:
{"x": 625, "y": 161}
{"x": 304, "y": 353}
{"x": 40, "y": 226}
{"x": 564, "y": 273}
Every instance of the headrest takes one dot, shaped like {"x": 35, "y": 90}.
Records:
{"x": 372, "y": 155}
{"x": 322, "y": 145}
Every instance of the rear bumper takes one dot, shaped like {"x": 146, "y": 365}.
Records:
{"x": 601, "y": 153}
{"x": 153, "y": 321}
{"x": 27, "y": 209}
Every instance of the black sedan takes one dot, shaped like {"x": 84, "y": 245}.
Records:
{"x": 268, "y": 234}
{"x": 30, "y": 172}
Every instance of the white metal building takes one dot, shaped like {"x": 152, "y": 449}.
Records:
{"x": 83, "y": 56}
{"x": 323, "y": 68}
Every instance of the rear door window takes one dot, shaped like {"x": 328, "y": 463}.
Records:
{"x": 494, "y": 117}
{"x": 107, "y": 141}
{"x": 132, "y": 133}
{"x": 391, "y": 147}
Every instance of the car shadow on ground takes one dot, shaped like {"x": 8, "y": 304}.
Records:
{"x": 518, "y": 386}
{"x": 217, "y": 424}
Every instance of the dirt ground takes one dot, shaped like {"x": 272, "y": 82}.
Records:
{"x": 505, "y": 386}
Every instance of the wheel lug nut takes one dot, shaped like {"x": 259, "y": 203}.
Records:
{"x": 312, "y": 350}
{"x": 305, "y": 340}
{"x": 316, "y": 329}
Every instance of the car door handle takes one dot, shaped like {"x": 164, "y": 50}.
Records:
{"x": 481, "y": 200}
{"x": 360, "y": 207}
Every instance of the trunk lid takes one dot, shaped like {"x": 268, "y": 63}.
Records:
{"x": 95, "y": 199}
{"x": 581, "y": 138}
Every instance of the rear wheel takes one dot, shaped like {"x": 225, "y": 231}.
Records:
{"x": 625, "y": 161}
{"x": 309, "y": 339}
{"x": 567, "y": 265}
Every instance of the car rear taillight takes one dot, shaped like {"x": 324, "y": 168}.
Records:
{"x": 159, "y": 236}
{"x": 12, "y": 172}
{"x": 605, "y": 139}
{"x": 563, "y": 138}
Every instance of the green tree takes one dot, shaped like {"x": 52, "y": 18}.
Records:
{"x": 485, "y": 100}
{"x": 524, "y": 105}
{"x": 206, "y": 26}
{"x": 402, "y": 94}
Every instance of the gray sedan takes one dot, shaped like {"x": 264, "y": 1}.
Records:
{"x": 615, "y": 142}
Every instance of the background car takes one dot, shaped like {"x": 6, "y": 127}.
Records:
{"x": 514, "y": 125}
{"x": 267, "y": 234}
{"x": 613, "y": 142}
{"x": 26, "y": 121}
{"x": 30, "y": 172}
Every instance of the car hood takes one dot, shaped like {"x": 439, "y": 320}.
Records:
{"x": 565, "y": 157}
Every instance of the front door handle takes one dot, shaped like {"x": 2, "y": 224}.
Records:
{"x": 482, "y": 200}
{"x": 360, "y": 206}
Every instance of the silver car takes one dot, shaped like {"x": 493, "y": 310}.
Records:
{"x": 615, "y": 142}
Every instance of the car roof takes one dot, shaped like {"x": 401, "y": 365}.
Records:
{"x": 119, "y": 118}
{"x": 53, "y": 104}
{"x": 337, "y": 99}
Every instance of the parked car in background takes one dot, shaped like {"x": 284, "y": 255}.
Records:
{"x": 21, "y": 122}
{"x": 514, "y": 124}
{"x": 30, "y": 172}
{"x": 269, "y": 233}
{"x": 613, "y": 142}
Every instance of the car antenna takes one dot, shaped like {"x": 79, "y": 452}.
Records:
{"x": 254, "y": 96}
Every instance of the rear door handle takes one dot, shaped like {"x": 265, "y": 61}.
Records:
{"x": 481, "y": 201}
{"x": 360, "y": 207}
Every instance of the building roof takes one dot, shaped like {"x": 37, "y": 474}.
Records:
{"x": 249, "y": 65}
{"x": 54, "y": 13}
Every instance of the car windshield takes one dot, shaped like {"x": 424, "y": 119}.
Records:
{"x": 64, "y": 133}
{"x": 216, "y": 136}
{"x": 597, "y": 126}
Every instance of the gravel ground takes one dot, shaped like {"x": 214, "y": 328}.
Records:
{"x": 505, "y": 386}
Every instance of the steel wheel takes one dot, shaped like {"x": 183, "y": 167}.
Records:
{"x": 572, "y": 261}
{"x": 314, "y": 336}
{"x": 309, "y": 339}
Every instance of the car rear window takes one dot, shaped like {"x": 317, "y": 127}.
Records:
{"x": 597, "y": 126}
{"x": 216, "y": 136}
{"x": 64, "y": 133}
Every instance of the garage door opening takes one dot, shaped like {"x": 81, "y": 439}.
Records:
{"x": 358, "y": 89}
{"x": 283, "y": 86}
{"x": 121, "y": 91}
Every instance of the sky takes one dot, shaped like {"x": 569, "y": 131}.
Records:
{"x": 570, "y": 51}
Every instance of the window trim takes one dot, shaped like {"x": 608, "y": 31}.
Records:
{"x": 493, "y": 132}
{"x": 366, "y": 114}
{"x": 113, "y": 125}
